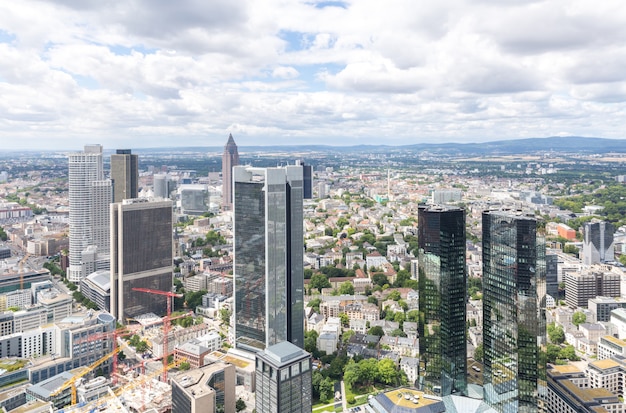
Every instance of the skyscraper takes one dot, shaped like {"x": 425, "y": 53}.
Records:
{"x": 598, "y": 242}
{"x": 210, "y": 388}
{"x": 230, "y": 158}
{"x": 442, "y": 298}
{"x": 268, "y": 256}
{"x": 514, "y": 323}
{"x": 89, "y": 198}
{"x": 141, "y": 256}
{"x": 283, "y": 379}
{"x": 125, "y": 175}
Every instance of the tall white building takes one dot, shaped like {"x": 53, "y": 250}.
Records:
{"x": 89, "y": 195}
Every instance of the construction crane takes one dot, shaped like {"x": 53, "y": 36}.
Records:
{"x": 21, "y": 270}
{"x": 101, "y": 402}
{"x": 166, "y": 322}
{"x": 120, "y": 332}
{"x": 72, "y": 382}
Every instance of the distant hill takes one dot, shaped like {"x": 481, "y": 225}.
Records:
{"x": 570, "y": 144}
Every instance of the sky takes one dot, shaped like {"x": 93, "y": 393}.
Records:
{"x": 154, "y": 73}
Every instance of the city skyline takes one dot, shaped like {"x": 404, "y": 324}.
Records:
{"x": 309, "y": 72}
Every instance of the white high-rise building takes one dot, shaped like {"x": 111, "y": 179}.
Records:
{"x": 89, "y": 195}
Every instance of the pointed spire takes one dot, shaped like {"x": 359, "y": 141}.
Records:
{"x": 231, "y": 141}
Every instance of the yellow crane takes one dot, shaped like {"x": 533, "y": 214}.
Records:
{"x": 21, "y": 270}
{"x": 101, "y": 402}
{"x": 72, "y": 382}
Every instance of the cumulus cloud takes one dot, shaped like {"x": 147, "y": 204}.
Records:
{"x": 353, "y": 71}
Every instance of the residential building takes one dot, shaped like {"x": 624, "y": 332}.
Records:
{"x": 192, "y": 351}
{"x": 207, "y": 389}
{"x": 141, "y": 256}
{"x": 442, "y": 295}
{"x": 89, "y": 199}
{"x": 598, "y": 244}
{"x": 514, "y": 323}
{"x": 283, "y": 379}
{"x": 268, "y": 256}
{"x": 230, "y": 159}
{"x": 125, "y": 175}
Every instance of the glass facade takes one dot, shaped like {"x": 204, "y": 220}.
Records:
{"x": 141, "y": 257}
{"x": 514, "y": 329}
{"x": 442, "y": 299}
{"x": 268, "y": 264}
{"x": 285, "y": 388}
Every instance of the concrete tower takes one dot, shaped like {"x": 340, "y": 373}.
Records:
{"x": 598, "y": 244}
{"x": 89, "y": 199}
{"x": 125, "y": 175}
{"x": 268, "y": 256}
{"x": 230, "y": 158}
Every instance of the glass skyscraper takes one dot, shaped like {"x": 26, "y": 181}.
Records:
{"x": 442, "y": 298}
{"x": 514, "y": 326}
{"x": 268, "y": 256}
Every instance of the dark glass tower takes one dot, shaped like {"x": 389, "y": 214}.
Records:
{"x": 230, "y": 158}
{"x": 141, "y": 256}
{"x": 514, "y": 326}
{"x": 268, "y": 259}
{"x": 442, "y": 298}
{"x": 125, "y": 175}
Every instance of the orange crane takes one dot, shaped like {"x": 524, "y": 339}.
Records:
{"x": 21, "y": 271}
{"x": 166, "y": 322}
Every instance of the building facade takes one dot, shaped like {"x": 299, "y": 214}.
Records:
{"x": 598, "y": 244}
{"x": 125, "y": 175}
{"x": 141, "y": 256}
{"x": 268, "y": 256}
{"x": 89, "y": 199}
{"x": 442, "y": 295}
{"x": 230, "y": 158}
{"x": 514, "y": 326}
{"x": 207, "y": 389}
{"x": 283, "y": 379}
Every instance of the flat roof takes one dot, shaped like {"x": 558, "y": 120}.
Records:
{"x": 566, "y": 369}
{"x": 614, "y": 340}
{"x": 605, "y": 364}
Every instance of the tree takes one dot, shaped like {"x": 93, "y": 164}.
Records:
{"x": 479, "y": 352}
{"x": 578, "y": 318}
{"x": 346, "y": 288}
{"x": 376, "y": 331}
{"x": 225, "y": 316}
{"x": 394, "y": 295}
{"x": 380, "y": 279}
{"x": 327, "y": 389}
{"x": 552, "y": 353}
{"x": 240, "y": 405}
{"x": 345, "y": 320}
{"x": 387, "y": 372}
{"x": 194, "y": 298}
{"x": 413, "y": 315}
{"x": 315, "y": 304}
{"x": 556, "y": 334}
{"x": 352, "y": 373}
{"x": 347, "y": 335}
{"x": 184, "y": 366}
{"x": 568, "y": 353}
{"x": 319, "y": 281}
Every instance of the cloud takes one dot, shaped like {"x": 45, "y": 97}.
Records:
{"x": 313, "y": 71}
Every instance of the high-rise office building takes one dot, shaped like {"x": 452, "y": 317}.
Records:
{"x": 161, "y": 186}
{"x": 230, "y": 158}
{"x": 89, "y": 199}
{"x": 514, "y": 323}
{"x": 552, "y": 275}
{"x": 442, "y": 300}
{"x": 598, "y": 244}
{"x": 207, "y": 389}
{"x": 125, "y": 175}
{"x": 268, "y": 256}
{"x": 141, "y": 256}
{"x": 283, "y": 379}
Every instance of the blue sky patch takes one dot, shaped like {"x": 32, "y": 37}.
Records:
{"x": 86, "y": 82}
{"x": 6, "y": 37}
{"x": 295, "y": 40}
{"x": 322, "y": 4}
{"x": 126, "y": 51}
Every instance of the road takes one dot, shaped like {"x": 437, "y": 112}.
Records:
{"x": 343, "y": 396}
